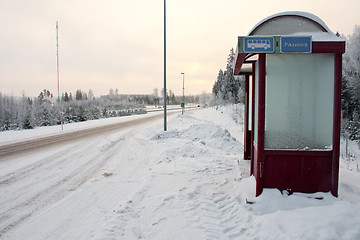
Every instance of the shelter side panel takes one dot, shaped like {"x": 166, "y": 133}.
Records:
{"x": 308, "y": 172}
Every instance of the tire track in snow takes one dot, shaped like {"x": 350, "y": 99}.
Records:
{"x": 27, "y": 206}
{"x": 203, "y": 208}
{"x": 46, "y": 169}
{"x": 211, "y": 211}
{"x": 214, "y": 214}
{"x": 48, "y": 161}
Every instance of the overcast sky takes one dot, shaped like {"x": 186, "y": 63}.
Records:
{"x": 107, "y": 44}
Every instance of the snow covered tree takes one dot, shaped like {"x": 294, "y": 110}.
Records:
{"x": 155, "y": 96}
{"x": 350, "y": 93}
{"x": 65, "y": 97}
{"x": 91, "y": 95}
{"x": 44, "y": 110}
{"x": 44, "y": 114}
{"x": 217, "y": 85}
{"x": 111, "y": 93}
{"x": 9, "y": 113}
{"x": 45, "y": 96}
{"x": 204, "y": 99}
{"x": 78, "y": 95}
{"x": 167, "y": 96}
{"x": 25, "y": 113}
{"x": 227, "y": 86}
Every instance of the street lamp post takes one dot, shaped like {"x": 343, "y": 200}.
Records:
{"x": 165, "y": 127}
{"x": 183, "y": 97}
{"x": 58, "y": 74}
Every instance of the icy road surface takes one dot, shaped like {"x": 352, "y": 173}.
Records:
{"x": 142, "y": 183}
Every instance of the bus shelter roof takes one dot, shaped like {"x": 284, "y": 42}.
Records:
{"x": 294, "y": 24}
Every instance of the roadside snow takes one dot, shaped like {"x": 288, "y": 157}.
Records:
{"x": 187, "y": 183}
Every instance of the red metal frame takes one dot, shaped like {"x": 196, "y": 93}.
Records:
{"x": 252, "y": 118}
{"x": 328, "y": 47}
{"x": 239, "y": 60}
{"x": 247, "y": 132}
{"x": 259, "y": 163}
{"x": 337, "y": 124}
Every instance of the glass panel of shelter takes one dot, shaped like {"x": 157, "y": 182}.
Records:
{"x": 298, "y": 101}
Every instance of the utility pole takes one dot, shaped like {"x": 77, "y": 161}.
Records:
{"x": 183, "y": 97}
{"x": 165, "y": 127}
{"x": 58, "y": 73}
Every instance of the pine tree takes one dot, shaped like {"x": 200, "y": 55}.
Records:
{"x": 217, "y": 85}
{"x": 350, "y": 92}
{"x": 227, "y": 86}
{"x": 78, "y": 95}
{"x": 66, "y": 97}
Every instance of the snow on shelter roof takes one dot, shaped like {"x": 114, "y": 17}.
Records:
{"x": 294, "y": 23}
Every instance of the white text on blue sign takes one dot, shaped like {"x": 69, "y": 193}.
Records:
{"x": 295, "y": 44}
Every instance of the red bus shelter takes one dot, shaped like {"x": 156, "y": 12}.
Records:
{"x": 292, "y": 64}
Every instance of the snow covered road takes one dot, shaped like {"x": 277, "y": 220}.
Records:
{"x": 143, "y": 183}
{"x": 38, "y": 179}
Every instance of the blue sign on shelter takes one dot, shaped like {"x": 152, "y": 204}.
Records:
{"x": 258, "y": 44}
{"x": 295, "y": 44}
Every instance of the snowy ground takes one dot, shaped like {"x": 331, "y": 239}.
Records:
{"x": 187, "y": 183}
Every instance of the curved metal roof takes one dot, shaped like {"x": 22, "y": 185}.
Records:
{"x": 286, "y": 23}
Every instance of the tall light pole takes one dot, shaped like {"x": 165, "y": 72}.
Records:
{"x": 165, "y": 127}
{"x": 58, "y": 73}
{"x": 183, "y": 98}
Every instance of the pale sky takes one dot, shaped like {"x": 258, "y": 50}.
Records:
{"x": 107, "y": 44}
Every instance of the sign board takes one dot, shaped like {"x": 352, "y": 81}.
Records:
{"x": 258, "y": 44}
{"x": 295, "y": 44}
{"x": 182, "y": 105}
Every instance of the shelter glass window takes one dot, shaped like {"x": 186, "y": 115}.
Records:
{"x": 299, "y": 101}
